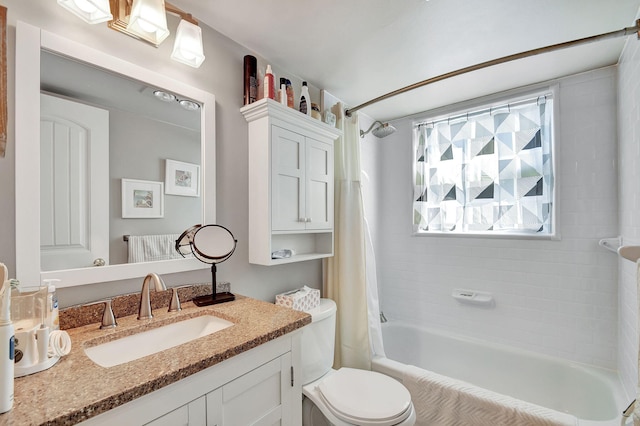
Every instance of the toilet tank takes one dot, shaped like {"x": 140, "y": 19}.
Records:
{"x": 318, "y": 341}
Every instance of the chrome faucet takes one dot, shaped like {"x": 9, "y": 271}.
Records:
{"x": 144, "y": 312}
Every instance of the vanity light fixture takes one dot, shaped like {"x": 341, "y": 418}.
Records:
{"x": 164, "y": 96}
{"x": 189, "y": 105}
{"x": 188, "y": 45}
{"x": 147, "y": 20}
{"x": 90, "y": 11}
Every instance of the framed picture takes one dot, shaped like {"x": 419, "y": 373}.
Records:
{"x": 142, "y": 199}
{"x": 182, "y": 178}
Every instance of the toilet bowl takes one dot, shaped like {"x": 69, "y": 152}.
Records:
{"x": 347, "y": 396}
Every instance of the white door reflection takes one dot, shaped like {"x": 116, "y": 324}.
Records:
{"x": 74, "y": 181}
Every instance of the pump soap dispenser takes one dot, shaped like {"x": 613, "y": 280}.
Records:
{"x": 7, "y": 343}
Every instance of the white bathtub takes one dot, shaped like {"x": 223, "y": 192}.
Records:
{"x": 592, "y": 395}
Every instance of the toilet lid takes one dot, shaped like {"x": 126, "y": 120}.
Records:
{"x": 365, "y": 397}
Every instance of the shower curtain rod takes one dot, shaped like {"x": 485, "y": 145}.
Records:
{"x": 613, "y": 34}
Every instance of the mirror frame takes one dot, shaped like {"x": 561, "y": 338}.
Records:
{"x": 30, "y": 40}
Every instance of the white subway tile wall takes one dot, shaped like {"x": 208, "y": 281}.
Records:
{"x": 554, "y": 297}
{"x": 629, "y": 214}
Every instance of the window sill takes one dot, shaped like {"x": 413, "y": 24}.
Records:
{"x": 514, "y": 235}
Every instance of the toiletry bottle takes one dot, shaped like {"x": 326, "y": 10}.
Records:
{"x": 52, "y": 304}
{"x": 315, "y": 111}
{"x": 305, "y": 101}
{"x": 7, "y": 349}
{"x": 290, "y": 95}
{"x": 260, "y": 84}
{"x": 250, "y": 79}
{"x": 282, "y": 92}
{"x": 269, "y": 84}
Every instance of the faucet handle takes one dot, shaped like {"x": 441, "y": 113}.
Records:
{"x": 108, "y": 318}
{"x": 174, "y": 304}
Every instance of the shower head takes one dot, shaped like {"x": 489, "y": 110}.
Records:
{"x": 383, "y": 130}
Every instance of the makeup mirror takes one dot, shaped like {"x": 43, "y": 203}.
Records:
{"x": 38, "y": 50}
{"x": 210, "y": 244}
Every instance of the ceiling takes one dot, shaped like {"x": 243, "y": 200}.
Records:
{"x": 360, "y": 49}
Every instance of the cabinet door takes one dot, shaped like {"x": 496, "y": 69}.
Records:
{"x": 191, "y": 414}
{"x": 319, "y": 184}
{"x": 287, "y": 180}
{"x": 262, "y": 397}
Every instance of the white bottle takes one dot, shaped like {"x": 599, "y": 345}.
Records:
{"x": 7, "y": 349}
{"x": 305, "y": 100}
{"x": 53, "y": 321}
{"x": 282, "y": 92}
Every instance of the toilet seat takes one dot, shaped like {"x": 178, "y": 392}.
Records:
{"x": 362, "y": 397}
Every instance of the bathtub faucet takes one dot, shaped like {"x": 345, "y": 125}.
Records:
{"x": 383, "y": 319}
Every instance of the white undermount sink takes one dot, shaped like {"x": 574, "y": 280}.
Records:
{"x": 152, "y": 341}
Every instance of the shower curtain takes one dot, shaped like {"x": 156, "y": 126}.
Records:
{"x": 344, "y": 273}
{"x": 373, "y": 303}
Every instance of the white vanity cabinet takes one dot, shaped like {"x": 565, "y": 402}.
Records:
{"x": 257, "y": 387}
{"x": 290, "y": 183}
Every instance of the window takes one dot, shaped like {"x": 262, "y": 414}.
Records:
{"x": 488, "y": 171}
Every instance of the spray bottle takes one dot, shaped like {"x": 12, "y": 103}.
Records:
{"x": 7, "y": 344}
{"x": 269, "y": 84}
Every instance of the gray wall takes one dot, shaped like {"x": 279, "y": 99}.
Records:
{"x": 220, "y": 74}
{"x": 145, "y": 160}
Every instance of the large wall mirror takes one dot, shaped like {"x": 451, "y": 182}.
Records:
{"x": 106, "y": 151}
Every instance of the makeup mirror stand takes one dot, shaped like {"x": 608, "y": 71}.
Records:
{"x": 215, "y": 297}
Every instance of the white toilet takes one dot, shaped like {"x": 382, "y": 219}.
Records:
{"x": 347, "y": 396}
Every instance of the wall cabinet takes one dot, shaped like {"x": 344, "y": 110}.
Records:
{"x": 257, "y": 387}
{"x": 302, "y": 182}
{"x": 290, "y": 183}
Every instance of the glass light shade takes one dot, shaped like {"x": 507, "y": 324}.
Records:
{"x": 164, "y": 96}
{"x": 90, "y": 11}
{"x": 148, "y": 20}
{"x": 189, "y": 105}
{"x": 188, "y": 45}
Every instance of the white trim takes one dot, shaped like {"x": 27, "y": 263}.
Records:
{"x": 29, "y": 40}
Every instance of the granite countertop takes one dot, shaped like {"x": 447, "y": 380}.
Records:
{"x": 76, "y": 388}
